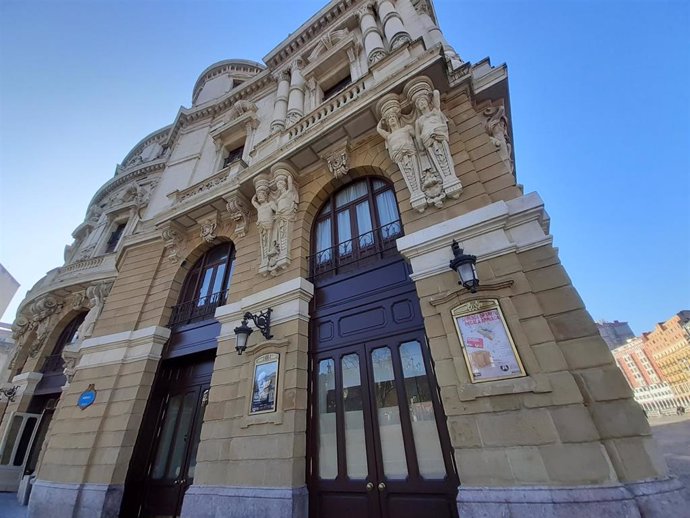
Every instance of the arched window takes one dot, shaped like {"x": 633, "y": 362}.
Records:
{"x": 206, "y": 286}
{"x": 359, "y": 221}
{"x": 54, "y": 362}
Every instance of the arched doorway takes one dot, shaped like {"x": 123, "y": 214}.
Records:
{"x": 27, "y": 431}
{"x": 378, "y": 442}
{"x": 164, "y": 458}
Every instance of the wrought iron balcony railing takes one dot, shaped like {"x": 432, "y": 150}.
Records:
{"x": 346, "y": 255}
{"x": 202, "y": 308}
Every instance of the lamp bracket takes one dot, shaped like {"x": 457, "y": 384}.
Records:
{"x": 262, "y": 321}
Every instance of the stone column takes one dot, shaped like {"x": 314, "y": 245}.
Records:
{"x": 296, "y": 96}
{"x": 393, "y": 26}
{"x": 281, "y": 103}
{"x": 373, "y": 43}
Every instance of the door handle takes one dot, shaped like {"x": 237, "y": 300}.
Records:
{"x": 370, "y": 486}
{"x": 382, "y": 486}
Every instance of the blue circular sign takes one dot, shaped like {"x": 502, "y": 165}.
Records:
{"x": 87, "y": 397}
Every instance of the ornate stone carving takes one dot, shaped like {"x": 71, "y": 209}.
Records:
{"x": 496, "y": 125}
{"x": 399, "y": 137}
{"x": 42, "y": 311}
{"x": 276, "y": 202}
{"x": 238, "y": 207}
{"x": 418, "y": 143}
{"x": 208, "y": 230}
{"x": 173, "y": 235}
{"x": 326, "y": 42}
{"x": 376, "y": 55}
{"x": 338, "y": 159}
{"x": 96, "y": 293}
{"x": 431, "y": 130}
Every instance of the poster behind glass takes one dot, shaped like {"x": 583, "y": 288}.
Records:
{"x": 487, "y": 345}
{"x": 265, "y": 385}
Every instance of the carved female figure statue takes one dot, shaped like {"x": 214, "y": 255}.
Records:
{"x": 431, "y": 131}
{"x": 401, "y": 148}
{"x": 96, "y": 294}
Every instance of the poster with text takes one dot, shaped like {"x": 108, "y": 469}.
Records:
{"x": 489, "y": 350}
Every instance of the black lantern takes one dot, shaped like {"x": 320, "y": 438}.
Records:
{"x": 463, "y": 265}
{"x": 262, "y": 321}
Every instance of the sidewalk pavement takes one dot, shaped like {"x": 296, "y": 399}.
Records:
{"x": 10, "y": 508}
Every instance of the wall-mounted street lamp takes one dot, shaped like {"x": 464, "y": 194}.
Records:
{"x": 9, "y": 393}
{"x": 463, "y": 265}
{"x": 262, "y": 321}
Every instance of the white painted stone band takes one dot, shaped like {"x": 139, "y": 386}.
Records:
{"x": 288, "y": 300}
{"x": 491, "y": 231}
{"x": 126, "y": 347}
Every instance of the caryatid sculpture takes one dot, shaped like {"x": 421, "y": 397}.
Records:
{"x": 418, "y": 143}
{"x": 266, "y": 212}
{"x": 431, "y": 131}
{"x": 400, "y": 142}
{"x": 276, "y": 203}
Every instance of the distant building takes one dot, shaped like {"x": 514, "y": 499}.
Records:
{"x": 650, "y": 389}
{"x": 8, "y": 287}
{"x": 615, "y": 333}
{"x": 668, "y": 347}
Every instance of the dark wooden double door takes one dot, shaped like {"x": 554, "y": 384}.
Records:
{"x": 165, "y": 456}
{"x": 379, "y": 445}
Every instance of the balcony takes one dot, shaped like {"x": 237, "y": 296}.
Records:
{"x": 197, "y": 310}
{"x": 349, "y": 255}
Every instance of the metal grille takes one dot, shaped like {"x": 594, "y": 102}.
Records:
{"x": 348, "y": 254}
{"x": 202, "y": 308}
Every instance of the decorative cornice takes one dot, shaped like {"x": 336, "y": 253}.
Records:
{"x": 123, "y": 179}
{"x": 313, "y": 28}
{"x": 157, "y": 136}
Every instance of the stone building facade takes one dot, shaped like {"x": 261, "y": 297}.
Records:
{"x": 326, "y": 185}
{"x": 615, "y": 333}
{"x": 668, "y": 347}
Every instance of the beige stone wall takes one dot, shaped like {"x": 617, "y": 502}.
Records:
{"x": 258, "y": 450}
{"x": 95, "y": 444}
{"x": 572, "y": 420}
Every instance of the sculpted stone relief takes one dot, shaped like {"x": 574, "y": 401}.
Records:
{"x": 238, "y": 207}
{"x": 276, "y": 201}
{"x": 418, "y": 143}
{"x": 496, "y": 125}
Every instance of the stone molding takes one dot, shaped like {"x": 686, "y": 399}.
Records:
{"x": 59, "y": 500}
{"x": 240, "y": 502}
{"x": 125, "y": 347}
{"x": 491, "y": 231}
{"x": 27, "y": 382}
{"x": 289, "y": 301}
{"x": 645, "y": 499}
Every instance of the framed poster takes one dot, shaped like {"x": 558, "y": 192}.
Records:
{"x": 265, "y": 384}
{"x": 486, "y": 343}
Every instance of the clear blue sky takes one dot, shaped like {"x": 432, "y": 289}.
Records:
{"x": 600, "y": 95}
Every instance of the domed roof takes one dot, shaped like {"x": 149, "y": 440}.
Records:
{"x": 231, "y": 70}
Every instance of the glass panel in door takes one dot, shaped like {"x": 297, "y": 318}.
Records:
{"x": 355, "y": 444}
{"x": 327, "y": 427}
{"x": 418, "y": 396}
{"x": 388, "y": 415}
